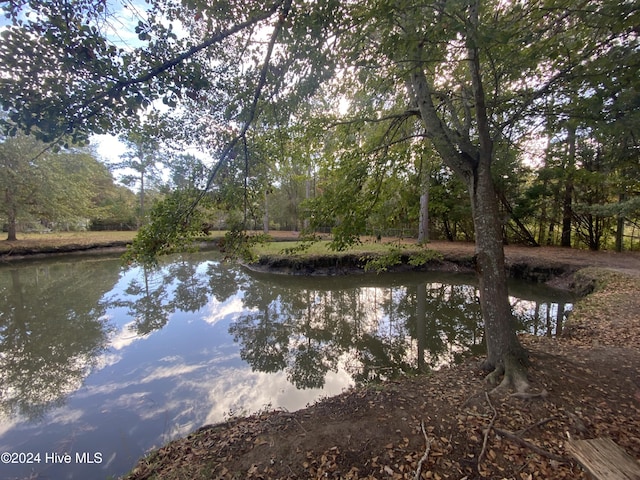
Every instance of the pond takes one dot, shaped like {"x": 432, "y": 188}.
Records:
{"x": 99, "y": 363}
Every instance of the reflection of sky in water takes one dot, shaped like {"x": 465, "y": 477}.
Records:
{"x": 146, "y": 389}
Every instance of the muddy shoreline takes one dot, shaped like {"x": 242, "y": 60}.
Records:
{"x": 22, "y": 254}
{"x": 553, "y": 266}
{"x": 556, "y": 275}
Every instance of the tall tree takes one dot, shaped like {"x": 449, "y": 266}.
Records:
{"x": 143, "y": 157}
{"x": 18, "y": 180}
{"x": 56, "y": 189}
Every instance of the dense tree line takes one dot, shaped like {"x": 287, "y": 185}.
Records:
{"x": 45, "y": 190}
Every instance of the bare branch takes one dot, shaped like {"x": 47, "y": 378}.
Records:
{"x": 262, "y": 80}
{"x": 425, "y": 456}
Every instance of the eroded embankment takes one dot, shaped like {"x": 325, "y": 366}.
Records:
{"x": 351, "y": 263}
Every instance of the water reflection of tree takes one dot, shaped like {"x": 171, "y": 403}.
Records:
{"x": 370, "y": 331}
{"x": 533, "y": 311}
{"x": 308, "y": 327}
{"x": 51, "y": 331}
{"x": 148, "y": 303}
{"x": 184, "y": 284}
{"x": 367, "y": 330}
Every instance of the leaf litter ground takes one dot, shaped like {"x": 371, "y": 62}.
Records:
{"x": 448, "y": 424}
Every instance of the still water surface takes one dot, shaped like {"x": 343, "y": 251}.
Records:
{"x": 103, "y": 363}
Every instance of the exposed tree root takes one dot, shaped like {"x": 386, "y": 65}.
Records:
{"x": 487, "y": 431}
{"x": 530, "y": 446}
{"x": 530, "y": 396}
{"x": 535, "y": 425}
{"x": 517, "y": 437}
{"x": 513, "y": 373}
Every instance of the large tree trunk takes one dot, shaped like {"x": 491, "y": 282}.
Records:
{"x": 423, "y": 226}
{"x": 423, "y": 229}
{"x": 505, "y": 355}
{"x": 11, "y": 229}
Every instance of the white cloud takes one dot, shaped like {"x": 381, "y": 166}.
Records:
{"x": 219, "y": 311}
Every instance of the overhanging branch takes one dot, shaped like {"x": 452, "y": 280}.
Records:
{"x": 262, "y": 80}
{"x": 101, "y": 99}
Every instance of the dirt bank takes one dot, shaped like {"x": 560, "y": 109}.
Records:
{"x": 542, "y": 264}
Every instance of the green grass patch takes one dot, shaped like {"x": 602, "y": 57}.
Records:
{"x": 320, "y": 248}
{"x": 374, "y": 256}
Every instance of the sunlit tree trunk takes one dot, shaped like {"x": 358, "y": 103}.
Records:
{"x": 567, "y": 207}
{"x": 423, "y": 224}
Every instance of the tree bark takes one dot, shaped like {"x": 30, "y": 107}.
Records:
{"x": 567, "y": 208}
{"x": 423, "y": 225}
{"x": 500, "y": 335}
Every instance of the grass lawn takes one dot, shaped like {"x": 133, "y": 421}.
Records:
{"x": 34, "y": 242}
{"x": 39, "y": 241}
{"x": 322, "y": 248}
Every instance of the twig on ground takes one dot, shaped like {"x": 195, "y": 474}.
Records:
{"x": 468, "y": 400}
{"x": 285, "y": 413}
{"x": 426, "y": 452}
{"x": 531, "y": 446}
{"x": 488, "y": 430}
{"x": 537, "y": 424}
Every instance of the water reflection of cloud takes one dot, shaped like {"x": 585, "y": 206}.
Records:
{"x": 66, "y": 416}
{"x": 129, "y": 402}
{"x": 6, "y": 424}
{"x": 125, "y": 336}
{"x": 243, "y": 391}
{"x": 220, "y": 310}
{"x": 188, "y": 396}
{"x": 168, "y": 372}
{"x": 118, "y": 341}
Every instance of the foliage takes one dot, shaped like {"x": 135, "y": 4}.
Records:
{"x": 52, "y": 336}
{"x": 238, "y": 245}
{"x": 320, "y": 61}
{"x": 59, "y": 190}
{"x": 396, "y": 255}
{"x": 177, "y": 222}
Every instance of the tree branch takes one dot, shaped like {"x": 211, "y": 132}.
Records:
{"x": 408, "y": 113}
{"x": 262, "y": 80}
{"x": 169, "y": 64}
